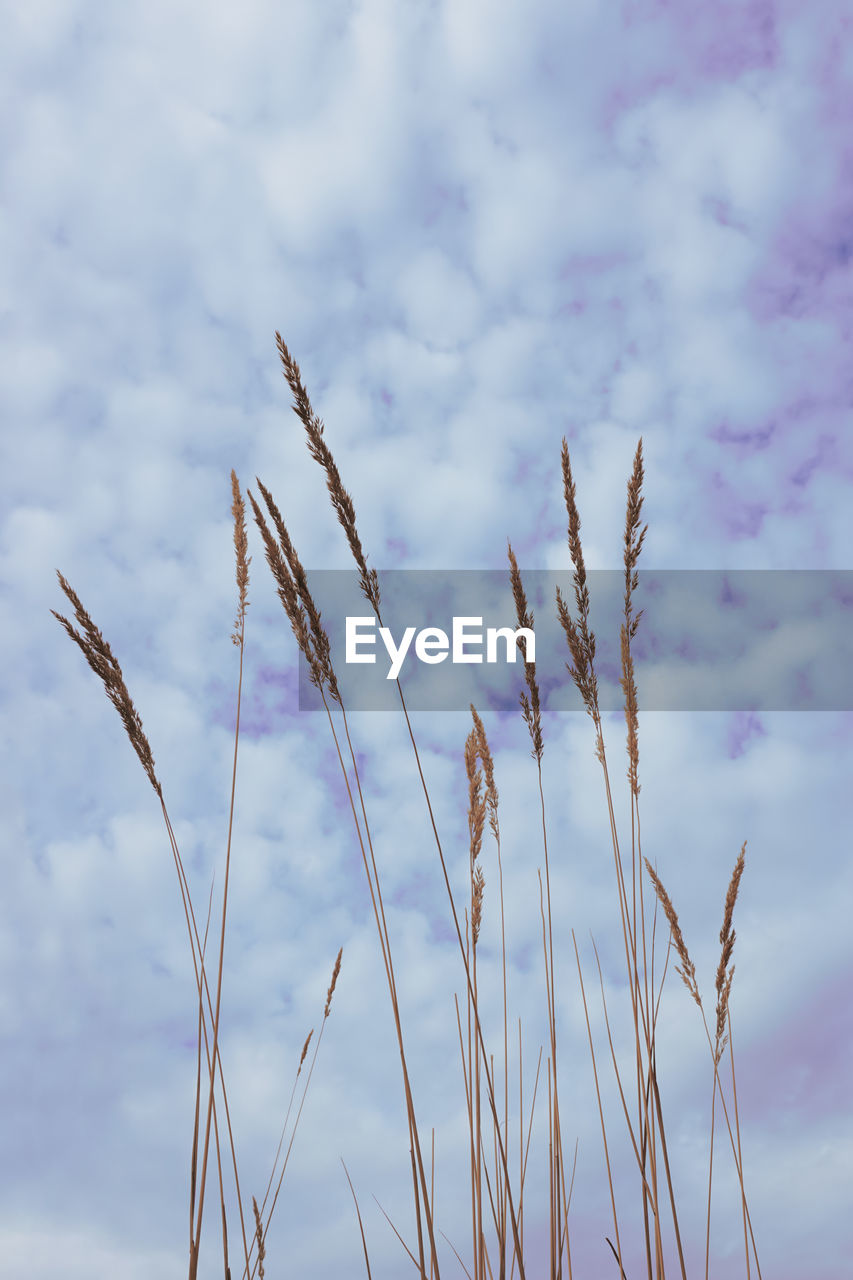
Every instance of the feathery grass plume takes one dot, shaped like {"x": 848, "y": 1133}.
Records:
{"x": 333, "y": 984}
{"x": 529, "y": 706}
{"x": 305, "y": 1050}
{"x": 314, "y": 644}
{"x": 476, "y": 802}
{"x": 102, "y": 661}
{"x": 723, "y": 985}
{"x": 289, "y": 592}
{"x": 581, "y": 643}
{"x": 688, "y": 970}
{"x": 100, "y": 658}
{"x": 485, "y": 754}
{"x": 476, "y": 821}
{"x": 727, "y": 938}
{"x": 319, "y": 635}
{"x": 341, "y": 500}
{"x": 477, "y": 905}
{"x": 633, "y": 546}
{"x": 632, "y": 720}
{"x": 286, "y": 587}
{"x": 241, "y": 546}
{"x": 238, "y": 511}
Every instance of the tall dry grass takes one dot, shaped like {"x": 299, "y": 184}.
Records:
{"x": 101, "y": 659}
{"x": 498, "y": 1135}
{"x": 496, "y": 1193}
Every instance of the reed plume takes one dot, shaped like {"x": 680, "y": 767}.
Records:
{"x": 530, "y": 705}
{"x": 319, "y": 450}
{"x": 724, "y": 979}
{"x": 100, "y": 658}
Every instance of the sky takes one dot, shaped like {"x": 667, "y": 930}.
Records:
{"x": 478, "y": 231}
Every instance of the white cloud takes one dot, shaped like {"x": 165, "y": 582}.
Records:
{"x": 476, "y": 238}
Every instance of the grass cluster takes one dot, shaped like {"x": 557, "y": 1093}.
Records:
{"x": 498, "y": 1136}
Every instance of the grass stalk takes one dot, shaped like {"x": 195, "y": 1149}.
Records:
{"x": 101, "y": 659}
{"x": 498, "y": 1175}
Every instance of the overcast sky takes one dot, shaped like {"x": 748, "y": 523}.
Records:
{"x": 478, "y": 228}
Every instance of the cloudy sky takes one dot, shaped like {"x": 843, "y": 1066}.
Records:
{"x": 478, "y": 228}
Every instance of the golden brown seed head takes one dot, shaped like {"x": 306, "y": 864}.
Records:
{"x": 687, "y": 972}
{"x": 319, "y": 450}
{"x": 100, "y": 658}
{"x": 305, "y": 1049}
{"x": 241, "y": 546}
{"x": 529, "y": 705}
{"x": 333, "y": 984}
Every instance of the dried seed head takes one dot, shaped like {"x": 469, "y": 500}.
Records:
{"x": 485, "y": 754}
{"x": 582, "y": 672}
{"x": 241, "y": 546}
{"x": 319, "y": 664}
{"x": 319, "y": 450}
{"x": 305, "y": 1050}
{"x": 629, "y": 688}
{"x": 319, "y": 636}
{"x": 725, "y": 975}
{"x": 529, "y": 705}
{"x": 633, "y": 543}
{"x": 633, "y": 546}
{"x": 479, "y": 884}
{"x": 100, "y": 658}
{"x": 688, "y": 970}
{"x": 476, "y": 803}
{"x": 575, "y": 549}
{"x": 580, "y": 639}
{"x": 333, "y": 984}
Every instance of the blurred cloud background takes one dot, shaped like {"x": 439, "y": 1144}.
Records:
{"x": 478, "y": 229}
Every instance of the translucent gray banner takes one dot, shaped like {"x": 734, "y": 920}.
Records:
{"x": 708, "y": 640}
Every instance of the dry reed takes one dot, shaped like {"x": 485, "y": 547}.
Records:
{"x": 646, "y": 1130}
{"x": 100, "y": 658}
{"x": 497, "y": 1191}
